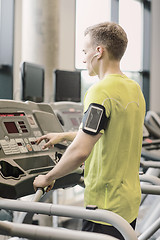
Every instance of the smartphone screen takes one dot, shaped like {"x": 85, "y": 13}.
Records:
{"x": 93, "y": 119}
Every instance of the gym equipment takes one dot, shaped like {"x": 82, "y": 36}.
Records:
{"x": 152, "y": 123}
{"x": 75, "y": 212}
{"x": 150, "y": 164}
{"x": 21, "y": 159}
{"x": 45, "y": 233}
{"x": 69, "y": 114}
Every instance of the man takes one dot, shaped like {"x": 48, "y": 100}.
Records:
{"x": 110, "y": 137}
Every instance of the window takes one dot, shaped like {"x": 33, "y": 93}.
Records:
{"x": 88, "y": 12}
{"x": 130, "y": 14}
{"x": 130, "y": 18}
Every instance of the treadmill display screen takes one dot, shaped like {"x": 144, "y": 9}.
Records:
{"x": 11, "y": 127}
{"x": 17, "y": 114}
{"x": 74, "y": 122}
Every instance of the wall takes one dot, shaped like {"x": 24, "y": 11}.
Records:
{"x": 6, "y": 48}
{"x": 46, "y": 39}
{"x": 66, "y": 34}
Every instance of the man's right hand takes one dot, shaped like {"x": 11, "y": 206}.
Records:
{"x": 54, "y": 138}
{"x": 51, "y": 139}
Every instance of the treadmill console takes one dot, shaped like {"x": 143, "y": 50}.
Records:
{"x": 21, "y": 159}
{"x": 69, "y": 114}
{"x": 19, "y": 133}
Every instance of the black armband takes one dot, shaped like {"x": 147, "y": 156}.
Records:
{"x": 94, "y": 119}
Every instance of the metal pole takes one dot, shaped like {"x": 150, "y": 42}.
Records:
{"x": 150, "y": 231}
{"x": 150, "y": 179}
{"x": 148, "y": 164}
{"x": 150, "y": 172}
{"x": 149, "y": 189}
{"x": 36, "y": 198}
{"x": 44, "y": 233}
{"x": 74, "y": 212}
{"x": 152, "y": 215}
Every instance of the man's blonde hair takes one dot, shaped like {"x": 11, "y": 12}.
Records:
{"x": 111, "y": 36}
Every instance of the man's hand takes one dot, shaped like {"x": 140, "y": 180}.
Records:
{"x": 51, "y": 139}
{"x": 42, "y": 182}
{"x": 54, "y": 138}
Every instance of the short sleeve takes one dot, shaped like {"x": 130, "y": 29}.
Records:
{"x": 96, "y": 95}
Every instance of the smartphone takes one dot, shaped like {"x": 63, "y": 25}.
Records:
{"x": 93, "y": 119}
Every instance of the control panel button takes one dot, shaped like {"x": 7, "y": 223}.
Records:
{"x": 10, "y": 147}
{"x": 21, "y": 145}
{"x": 29, "y": 147}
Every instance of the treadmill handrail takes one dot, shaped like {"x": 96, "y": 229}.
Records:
{"x": 74, "y": 212}
{"x": 150, "y": 189}
{"x": 151, "y": 142}
{"x": 149, "y": 164}
{"x": 45, "y": 233}
{"x": 150, "y": 156}
{"x": 150, "y": 179}
{"x": 150, "y": 231}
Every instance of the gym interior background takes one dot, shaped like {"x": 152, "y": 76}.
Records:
{"x": 49, "y": 33}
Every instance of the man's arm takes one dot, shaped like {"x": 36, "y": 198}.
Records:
{"x": 74, "y": 156}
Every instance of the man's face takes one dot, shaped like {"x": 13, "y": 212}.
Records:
{"x": 89, "y": 58}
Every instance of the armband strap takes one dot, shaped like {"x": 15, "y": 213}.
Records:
{"x": 94, "y": 119}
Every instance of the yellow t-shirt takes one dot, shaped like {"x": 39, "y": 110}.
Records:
{"x": 112, "y": 169}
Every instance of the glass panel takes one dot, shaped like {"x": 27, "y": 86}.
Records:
{"x": 88, "y": 12}
{"x": 135, "y": 76}
{"x": 130, "y": 18}
{"x": 86, "y": 82}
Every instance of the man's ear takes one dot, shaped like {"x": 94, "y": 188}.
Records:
{"x": 99, "y": 50}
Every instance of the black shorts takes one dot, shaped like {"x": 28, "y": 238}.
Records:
{"x": 89, "y": 226}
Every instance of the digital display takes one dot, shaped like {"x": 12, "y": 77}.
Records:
{"x": 74, "y": 122}
{"x": 11, "y": 127}
{"x": 67, "y": 86}
{"x": 94, "y": 118}
{"x": 32, "y": 82}
{"x": 17, "y": 114}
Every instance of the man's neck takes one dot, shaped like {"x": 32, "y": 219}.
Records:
{"x": 112, "y": 67}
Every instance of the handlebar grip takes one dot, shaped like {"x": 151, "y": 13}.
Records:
{"x": 39, "y": 193}
{"x": 42, "y": 189}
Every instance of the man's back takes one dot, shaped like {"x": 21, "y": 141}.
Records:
{"x": 112, "y": 169}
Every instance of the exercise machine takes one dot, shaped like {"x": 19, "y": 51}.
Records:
{"x": 69, "y": 114}
{"x": 21, "y": 159}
